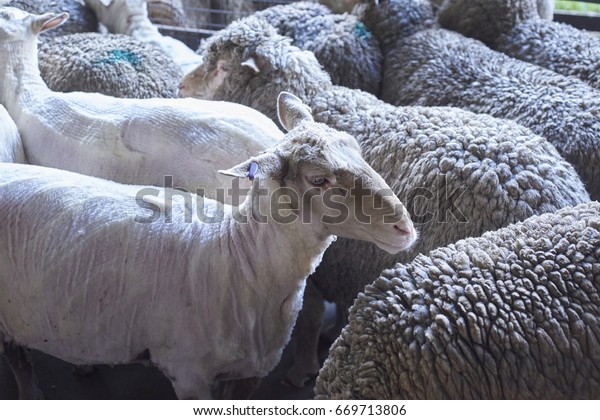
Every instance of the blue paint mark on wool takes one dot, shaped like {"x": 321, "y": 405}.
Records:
{"x": 361, "y": 31}
{"x": 115, "y": 56}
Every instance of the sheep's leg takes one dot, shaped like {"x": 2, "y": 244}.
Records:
{"x": 19, "y": 361}
{"x": 306, "y": 338}
{"x": 239, "y": 389}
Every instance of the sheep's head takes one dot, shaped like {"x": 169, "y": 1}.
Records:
{"x": 18, "y": 25}
{"x": 117, "y": 15}
{"x": 318, "y": 176}
{"x": 249, "y": 59}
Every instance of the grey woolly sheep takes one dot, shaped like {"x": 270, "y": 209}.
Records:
{"x": 167, "y": 12}
{"x": 429, "y": 66}
{"x": 11, "y": 147}
{"x": 342, "y": 44}
{"x": 82, "y": 19}
{"x": 460, "y": 173}
{"x": 515, "y": 28}
{"x": 115, "y": 65}
{"x": 513, "y": 314}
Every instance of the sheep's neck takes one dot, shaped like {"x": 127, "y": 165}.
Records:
{"x": 141, "y": 28}
{"x": 20, "y": 75}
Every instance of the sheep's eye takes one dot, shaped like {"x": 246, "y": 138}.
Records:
{"x": 319, "y": 181}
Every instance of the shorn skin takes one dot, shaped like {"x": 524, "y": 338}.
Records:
{"x": 134, "y": 141}
{"x": 513, "y": 314}
{"x": 514, "y": 28}
{"x": 461, "y": 174}
{"x": 130, "y": 17}
{"x": 114, "y": 65}
{"x": 89, "y": 276}
{"x": 11, "y": 148}
{"x": 429, "y": 66}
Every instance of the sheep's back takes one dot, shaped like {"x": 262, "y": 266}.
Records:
{"x": 512, "y": 314}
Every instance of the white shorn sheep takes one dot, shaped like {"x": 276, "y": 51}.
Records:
{"x": 513, "y": 314}
{"x": 134, "y": 141}
{"x": 515, "y": 28}
{"x": 11, "y": 148}
{"x": 130, "y": 17}
{"x": 429, "y": 66}
{"x": 437, "y": 160}
{"x": 89, "y": 275}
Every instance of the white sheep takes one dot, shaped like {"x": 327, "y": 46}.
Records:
{"x": 515, "y": 28}
{"x": 11, "y": 148}
{"x": 135, "y": 141}
{"x": 460, "y": 173}
{"x": 92, "y": 271}
{"x": 513, "y": 314}
{"x": 130, "y": 17}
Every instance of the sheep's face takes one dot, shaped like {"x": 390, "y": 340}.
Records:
{"x": 204, "y": 81}
{"x": 117, "y": 15}
{"x": 18, "y": 25}
{"x": 320, "y": 177}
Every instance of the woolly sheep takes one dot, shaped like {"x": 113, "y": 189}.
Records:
{"x": 114, "y": 65}
{"x": 429, "y": 66}
{"x": 11, "y": 148}
{"x": 341, "y": 43}
{"x": 461, "y": 174}
{"x": 206, "y": 299}
{"x": 136, "y": 141}
{"x": 82, "y": 18}
{"x": 514, "y": 28}
{"x": 513, "y": 314}
{"x": 130, "y": 17}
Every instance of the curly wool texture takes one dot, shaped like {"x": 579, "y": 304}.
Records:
{"x": 458, "y": 173}
{"x": 511, "y": 26}
{"x": 81, "y": 18}
{"x": 510, "y": 315}
{"x": 438, "y": 67}
{"x": 342, "y": 44}
{"x": 114, "y": 65}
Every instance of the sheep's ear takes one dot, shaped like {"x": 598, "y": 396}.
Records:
{"x": 48, "y": 21}
{"x": 265, "y": 165}
{"x": 291, "y": 111}
{"x": 106, "y": 3}
{"x": 252, "y": 64}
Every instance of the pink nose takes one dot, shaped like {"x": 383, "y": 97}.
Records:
{"x": 405, "y": 229}
{"x": 181, "y": 88}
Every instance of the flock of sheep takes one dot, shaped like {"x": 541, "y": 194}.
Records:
{"x": 479, "y": 277}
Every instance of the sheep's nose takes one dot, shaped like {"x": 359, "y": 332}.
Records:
{"x": 405, "y": 227}
{"x": 181, "y": 88}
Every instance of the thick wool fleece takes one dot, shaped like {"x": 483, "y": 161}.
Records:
{"x": 510, "y": 315}
{"x": 114, "y": 65}
{"x": 11, "y": 147}
{"x": 512, "y": 27}
{"x": 429, "y": 66}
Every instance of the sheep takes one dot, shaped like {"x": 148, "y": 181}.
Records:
{"x": 429, "y": 66}
{"x": 513, "y": 314}
{"x": 11, "y": 148}
{"x": 460, "y": 173}
{"x": 114, "y": 65}
{"x": 135, "y": 141}
{"x": 212, "y": 295}
{"x": 130, "y": 17}
{"x": 514, "y": 28}
{"x": 82, "y": 18}
{"x": 341, "y": 43}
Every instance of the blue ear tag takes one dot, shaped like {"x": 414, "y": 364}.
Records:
{"x": 252, "y": 170}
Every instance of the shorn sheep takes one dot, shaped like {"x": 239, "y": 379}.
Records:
{"x": 460, "y": 173}
{"x": 11, "y": 148}
{"x": 111, "y": 64}
{"x": 429, "y": 66}
{"x": 514, "y": 28}
{"x": 135, "y": 141}
{"x": 513, "y": 314}
{"x": 130, "y": 17}
{"x": 82, "y": 19}
{"x": 89, "y": 275}
{"x": 342, "y": 44}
